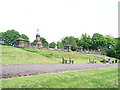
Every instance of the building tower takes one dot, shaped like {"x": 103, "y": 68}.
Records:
{"x": 37, "y": 41}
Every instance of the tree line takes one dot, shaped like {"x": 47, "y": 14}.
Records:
{"x": 109, "y": 45}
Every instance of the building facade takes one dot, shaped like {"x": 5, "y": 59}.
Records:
{"x": 36, "y": 43}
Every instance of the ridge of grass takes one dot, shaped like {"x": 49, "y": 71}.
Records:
{"x": 12, "y": 55}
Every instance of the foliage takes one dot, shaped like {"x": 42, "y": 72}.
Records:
{"x": 10, "y": 36}
{"x": 114, "y": 51}
{"x": 44, "y": 41}
{"x": 52, "y": 45}
{"x": 109, "y": 45}
{"x": 117, "y": 48}
{"x": 111, "y": 52}
{"x": 85, "y": 41}
{"x": 98, "y": 41}
{"x": 110, "y": 41}
{"x": 59, "y": 45}
{"x": 71, "y": 41}
{"x": 25, "y": 37}
{"x": 96, "y": 78}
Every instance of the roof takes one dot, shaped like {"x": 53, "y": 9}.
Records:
{"x": 20, "y": 39}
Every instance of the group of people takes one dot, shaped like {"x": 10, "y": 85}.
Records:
{"x": 106, "y": 60}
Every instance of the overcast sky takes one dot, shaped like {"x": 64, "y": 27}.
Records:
{"x": 56, "y": 19}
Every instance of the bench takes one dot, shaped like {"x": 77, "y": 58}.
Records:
{"x": 115, "y": 61}
{"x": 92, "y": 61}
{"x": 67, "y": 60}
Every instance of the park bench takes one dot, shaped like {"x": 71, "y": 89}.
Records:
{"x": 92, "y": 61}
{"x": 115, "y": 61}
{"x": 67, "y": 60}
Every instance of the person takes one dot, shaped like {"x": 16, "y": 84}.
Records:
{"x": 109, "y": 61}
{"x": 106, "y": 60}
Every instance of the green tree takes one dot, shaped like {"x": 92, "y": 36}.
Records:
{"x": 9, "y": 37}
{"x": 115, "y": 51}
{"x": 65, "y": 41}
{"x": 59, "y": 45}
{"x": 117, "y": 48}
{"x": 44, "y": 41}
{"x": 52, "y": 45}
{"x": 111, "y": 42}
{"x": 85, "y": 41}
{"x": 98, "y": 41}
{"x": 71, "y": 41}
{"x": 25, "y": 37}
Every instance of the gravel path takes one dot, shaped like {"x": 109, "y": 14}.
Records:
{"x": 9, "y": 71}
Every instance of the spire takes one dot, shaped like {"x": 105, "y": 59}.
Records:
{"x": 37, "y": 35}
{"x": 37, "y": 30}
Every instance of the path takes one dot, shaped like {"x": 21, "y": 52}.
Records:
{"x": 31, "y": 69}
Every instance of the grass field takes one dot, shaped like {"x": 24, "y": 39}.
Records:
{"x": 96, "y": 78}
{"x": 12, "y": 55}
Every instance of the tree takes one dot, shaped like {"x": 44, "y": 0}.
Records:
{"x": 117, "y": 48}
{"x": 115, "y": 51}
{"x": 52, "y": 45}
{"x": 98, "y": 41}
{"x": 9, "y": 37}
{"x": 25, "y": 37}
{"x": 111, "y": 42}
{"x": 85, "y": 41}
{"x": 44, "y": 41}
{"x": 59, "y": 45}
{"x": 71, "y": 41}
{"x": 65, "y": 41}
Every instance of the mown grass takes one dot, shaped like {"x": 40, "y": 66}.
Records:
{"x": 12, "y": 55}
{"x": 96, "y": 78}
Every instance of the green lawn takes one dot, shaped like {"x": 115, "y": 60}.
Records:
{"x": 12, "y": 55}
{"x": 96, "y": 78}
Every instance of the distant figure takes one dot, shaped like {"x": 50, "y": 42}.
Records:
{"x": 109, "y": 61}
{"x": 106, "y": 59}
{"x": 98, "y": 50}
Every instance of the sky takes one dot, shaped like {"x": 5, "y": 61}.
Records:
{"x": 56, "y": 19}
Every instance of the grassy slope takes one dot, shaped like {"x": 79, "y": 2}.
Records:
{"x": 97, "y": 78}
{"x": 12, "y": 55}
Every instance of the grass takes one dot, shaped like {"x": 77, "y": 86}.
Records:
{"x": 96, "y": 78}
{"x": 12, "y": 55}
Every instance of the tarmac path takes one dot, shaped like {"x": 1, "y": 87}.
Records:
{"x": 9, "y": 71}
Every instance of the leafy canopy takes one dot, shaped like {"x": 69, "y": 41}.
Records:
{"x": 10, "y": 36}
